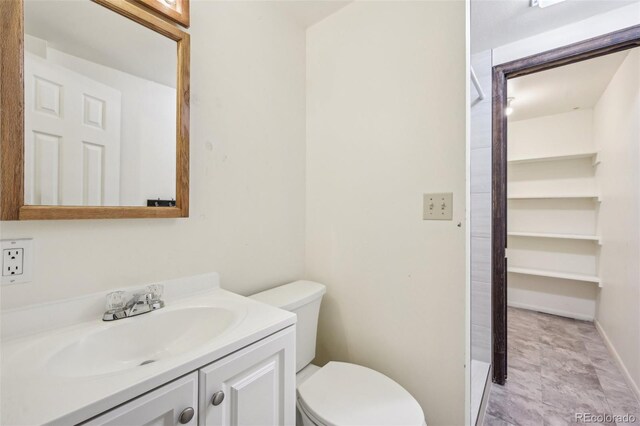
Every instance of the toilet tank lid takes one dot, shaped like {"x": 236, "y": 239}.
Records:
{"x": 291, "y": 296}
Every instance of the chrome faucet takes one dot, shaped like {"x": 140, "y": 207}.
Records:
{"x": 140, "y": 303}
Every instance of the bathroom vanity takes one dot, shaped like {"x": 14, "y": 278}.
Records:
{"x": 209, "y": 357}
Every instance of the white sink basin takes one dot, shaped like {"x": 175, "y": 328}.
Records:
{"x": 61, "y": 364}
{"x": 138, "y": 341}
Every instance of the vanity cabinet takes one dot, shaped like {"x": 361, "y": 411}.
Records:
{"x": 255, "y": 385}
{"x": 171, "y": 404}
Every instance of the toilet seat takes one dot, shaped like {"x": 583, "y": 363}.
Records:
{"x": 348, "y": 394}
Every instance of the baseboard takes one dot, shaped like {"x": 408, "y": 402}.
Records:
{"x": 485, "y": 397}
{"x": 627, "y": 377}
{"x": 551, "y": 311}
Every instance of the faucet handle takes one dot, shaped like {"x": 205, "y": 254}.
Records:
{"x": 155, "y": 290}
{"x": 116, "y": 300}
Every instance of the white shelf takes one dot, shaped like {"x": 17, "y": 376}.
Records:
{"x": 556, "y": 236}
{"x": 555, "y": 274}
{"x": 593, "y": 155}
{"x": 553, "y": 197}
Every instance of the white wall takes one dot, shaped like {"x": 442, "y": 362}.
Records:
{"x": 557, "y": 134}
{"x": 247, "y": 175}
{"x": 385, "y": 124}
{"x": 617, "y": 135}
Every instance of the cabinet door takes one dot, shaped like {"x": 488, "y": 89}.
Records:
{"x": 258, "y": 383}
{"x": 161, "y": 407}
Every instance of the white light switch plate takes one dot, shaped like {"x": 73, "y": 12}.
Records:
{"x": 17, "y": 256}
{"x": 437, "y": 206}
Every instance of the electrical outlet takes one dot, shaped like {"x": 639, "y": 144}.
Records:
{"x": 12, "y": 261}
{"x": 16, "y": 261}
{"x": 437, "y": 206}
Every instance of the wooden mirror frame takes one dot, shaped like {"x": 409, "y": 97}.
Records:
{"x": 12, "y": 205}
{"x": 178, "y": 14}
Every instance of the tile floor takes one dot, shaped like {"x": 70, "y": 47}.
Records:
{"x": 557, "y": 367}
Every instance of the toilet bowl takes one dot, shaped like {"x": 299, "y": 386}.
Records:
{"x": 340, "y": 393}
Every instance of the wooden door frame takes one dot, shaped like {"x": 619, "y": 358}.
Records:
{"x": 624, "y": 39}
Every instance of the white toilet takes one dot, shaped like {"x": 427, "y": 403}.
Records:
{"x": 338, "y": 394}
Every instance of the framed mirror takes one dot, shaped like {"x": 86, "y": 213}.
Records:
{"x": 95, "y": 112}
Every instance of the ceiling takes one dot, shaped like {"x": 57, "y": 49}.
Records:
{"x": 309, "y": 12}
{"x": 78, "y": 28}
{"x": 562, "y": 89}
{"x": 95, "y": 33}
{"x": 498, "y": 22}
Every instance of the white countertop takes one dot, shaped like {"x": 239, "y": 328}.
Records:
{"x": 33, "y": 394}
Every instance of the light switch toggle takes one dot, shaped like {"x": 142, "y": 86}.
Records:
{"x": 443, "y": 200}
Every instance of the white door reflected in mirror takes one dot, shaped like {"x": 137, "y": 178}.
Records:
{"x": 75, "y": 148}
{"x": 100, "y": 111}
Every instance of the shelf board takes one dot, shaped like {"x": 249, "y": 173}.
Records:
{"x": 591, "y": 154}
{"x": 554, "y": 197}
{"x": 556, "y": 236}
{"x": 555, "y": 274}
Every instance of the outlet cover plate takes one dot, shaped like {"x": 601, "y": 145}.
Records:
{"x": 12, "y": 261}
{"x": 24, "y": 247}
{"x": 437, "y": 206}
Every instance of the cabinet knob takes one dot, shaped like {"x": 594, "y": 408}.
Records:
{"x": 217, "y": 398}
{"x": 186, "y": 415}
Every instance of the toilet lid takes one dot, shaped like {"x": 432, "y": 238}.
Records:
{"x": 348, "y": 394}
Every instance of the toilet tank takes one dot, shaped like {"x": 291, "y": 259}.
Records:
{"x": 302, "y": 298}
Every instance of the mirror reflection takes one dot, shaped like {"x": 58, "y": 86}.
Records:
{"x": 100, "y": 107}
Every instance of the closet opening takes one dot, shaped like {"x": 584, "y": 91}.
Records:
{"x": 559, "y": 152}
